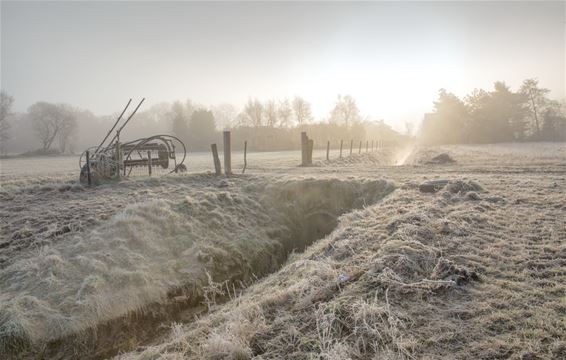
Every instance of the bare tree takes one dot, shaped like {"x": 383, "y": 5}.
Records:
{"x": 285, "y": 112}
{"x": 253, "y": 112}
{"x": 302, "y": 109}
{"x": 537, "y": 99}
{"x": 225, "y": 115}
{"x": 68, "y": 128}
{"x": 345, "y": 111}
{"x": 270, "y": 111}
{"x": 6, "y": 102}
{"x": 51, "y": 121}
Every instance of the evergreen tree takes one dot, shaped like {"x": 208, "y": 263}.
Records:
{"x": 180, "y": 127}
{"x": 202, "y": 129}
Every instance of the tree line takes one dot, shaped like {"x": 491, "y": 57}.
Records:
{"x": 499, "y": 115}
{"x": 49, "y": 128}
{"x": 270, "y": 125}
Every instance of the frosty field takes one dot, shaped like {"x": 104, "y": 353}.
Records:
{"x": 345, "y": 259}
{"x": 49, "y": 170}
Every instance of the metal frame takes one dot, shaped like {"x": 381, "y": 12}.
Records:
{"x": 112, "y": 160}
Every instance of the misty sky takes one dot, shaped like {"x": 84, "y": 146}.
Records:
{"x": 392, "y": 57}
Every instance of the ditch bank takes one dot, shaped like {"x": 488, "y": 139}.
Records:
{"x": 106, "y": 291}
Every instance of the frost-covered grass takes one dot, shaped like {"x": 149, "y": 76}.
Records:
{"x": 20, "y": 171}
{"x": 489, "y": 155}
{"x": 152, "y": 250}
{"x": 445, "y": 275}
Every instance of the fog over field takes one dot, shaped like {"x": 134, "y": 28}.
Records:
{"x": 282, "y": 180}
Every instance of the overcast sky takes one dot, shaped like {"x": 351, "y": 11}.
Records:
{"x": 392, "y": 57}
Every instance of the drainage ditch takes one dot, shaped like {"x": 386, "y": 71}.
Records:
{"x": 231, "y": 237}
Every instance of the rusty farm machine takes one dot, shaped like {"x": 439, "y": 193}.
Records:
{"x": 114, "y": 159}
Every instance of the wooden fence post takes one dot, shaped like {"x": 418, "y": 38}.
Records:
{"x": 341, "y": 142}
{"x": 149, "y": 161}
{"x": 304, "y": 148}
{"x": 311, "y": 147}
{"x": 327, "y": 150}
{"x": 88, "y": 178}
{"x": 227, "y": 154}
{"x": 351, "y": 146}
{"x": 215, "y": 159}
{"x": 367, "y": 145}
{"x": 360, "y": 149}
{"x": 372, "y": 146}
{"x": 245, "y": 156}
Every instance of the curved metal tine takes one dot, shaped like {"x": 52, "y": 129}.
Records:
{"x": 116, "y": 123}
{"x": 129, "y": 117}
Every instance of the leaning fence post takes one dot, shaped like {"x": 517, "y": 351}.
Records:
{"x": 215, "y": 159}
{"x": 245, "y": 156}
{"x": 327, "y": 150}
{"x": 341, "y": 142}
{"x": 89, "y": 179}
{"x": 227, "y": 154}
{"x": 149, "y": 161}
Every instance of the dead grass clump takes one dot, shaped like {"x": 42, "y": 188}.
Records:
{"x": 472, "y": 195}
{"x": 218, "y": 347}
{"x": 415, "y": 218}
{"x": 442, "y": 158}
{"x": 409, "y": 260}
{"x": 378, "y": 328}
{"x": 463, "y": 186}
{"x": 14, "y": 334}
{"x": 452, "y": 187}
{"x": 232, "y": 341}
{"x": 447, "y": 270}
